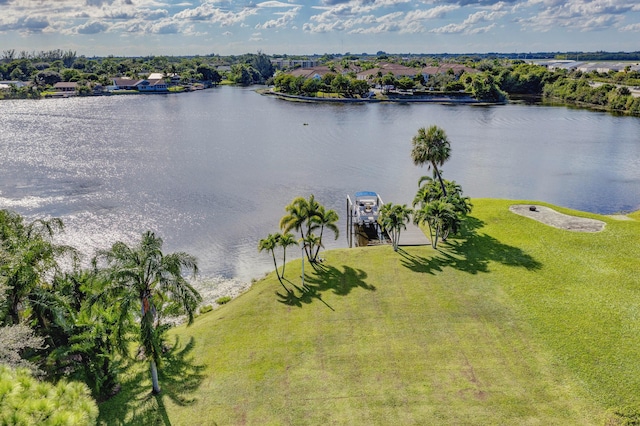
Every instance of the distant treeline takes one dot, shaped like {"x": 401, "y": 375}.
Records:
{"x": 498, "y": 74}
{"x": 68, "y": 57}
{"x": 608, "y": 91}
{"x": 576, "y": 56}
{"x": 600, "y": 56}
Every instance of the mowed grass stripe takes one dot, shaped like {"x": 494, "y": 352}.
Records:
{"x": 513, "y": 323}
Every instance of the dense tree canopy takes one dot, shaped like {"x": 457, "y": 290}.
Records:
{"x": 26, "y": 401}
{"x": 66, "y": 322}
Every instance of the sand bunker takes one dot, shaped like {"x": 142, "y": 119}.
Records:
{"x": 553, "y": 218}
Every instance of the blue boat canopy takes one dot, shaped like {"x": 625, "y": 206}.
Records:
{"x": 366, "y": 194}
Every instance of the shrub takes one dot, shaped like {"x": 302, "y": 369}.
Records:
{"x": 222, "y": 300}
{"x": 625, "y": 416}
{"x": 205, "y": 309}
{"x": 25, "y": 400}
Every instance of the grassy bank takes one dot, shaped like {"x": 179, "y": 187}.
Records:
{"x": 514, "y": 322}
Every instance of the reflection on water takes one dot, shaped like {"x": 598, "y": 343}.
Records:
{"x": 211, "y": 171}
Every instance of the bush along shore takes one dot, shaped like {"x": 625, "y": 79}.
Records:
{"x": 433, "y": 97}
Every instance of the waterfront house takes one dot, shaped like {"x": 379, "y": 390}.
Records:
{"x": 64, "y": 89}
{"x": 314, "y": 72}
{"x": 293, "y": 63}
{"x": 6, "y": 84}
{"x": 152, "y": 86}
{"x": 119, "y": 83}
{"x": 456, "y": 69}
{"x": 398, "y": 71}
{"x": 65, "y": 86}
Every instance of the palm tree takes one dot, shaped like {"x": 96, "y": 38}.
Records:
{"x": 431, "y": 147}
{"x": 440, "y": 217}
{"x": 91, "y": 355}
{"x": 27, "y": 256}
{"x": 393, "y": 219}
{"x": 143, "y": 274}
{"x": 312, "y": 241}
{"x": 430, "y": 191}
{"x": 287, "y": 239}
{"x": 300, "y": 216}
{"x": 270, "y": 243}
{"x": 324, "y": 219}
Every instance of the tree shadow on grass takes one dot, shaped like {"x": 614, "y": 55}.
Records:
{"x": 179, "y": 378}
{"x": 470, "y": 252}
{"x": 325, "y": 278}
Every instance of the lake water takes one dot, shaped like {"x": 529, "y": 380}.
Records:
{"x": 211, "y": 171}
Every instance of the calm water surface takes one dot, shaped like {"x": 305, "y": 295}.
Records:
{"x": 211, "y": 171}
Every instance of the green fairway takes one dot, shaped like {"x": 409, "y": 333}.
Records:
{"x": 513, "y": 322}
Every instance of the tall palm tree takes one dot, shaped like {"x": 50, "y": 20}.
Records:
{"x": 270, "y": 243}
{"x": 287, "y": 239}
{"x": 300, "y": 216}
{"x": 324, "y": 219}
{"x": 393, "y": 218}
{"x": 431, "y": 147}
{"x": 143, "y": 274}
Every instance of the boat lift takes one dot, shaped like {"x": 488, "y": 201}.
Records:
{"x": 363, "y": 228}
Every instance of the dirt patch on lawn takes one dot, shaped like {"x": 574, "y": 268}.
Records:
{"x": 619, "y": 216}
{"x": 556, "y": 219}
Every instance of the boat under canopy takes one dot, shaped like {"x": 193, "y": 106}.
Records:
{"x": 363, "y": 228}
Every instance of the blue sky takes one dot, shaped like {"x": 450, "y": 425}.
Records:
{"x": 186, "y": 27}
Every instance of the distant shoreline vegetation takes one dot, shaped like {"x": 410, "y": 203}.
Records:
{"x": 472, "y": 78}
{"x": 434, "y": 97}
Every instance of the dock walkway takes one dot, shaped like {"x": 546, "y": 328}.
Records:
{"x": 413, "y": 236}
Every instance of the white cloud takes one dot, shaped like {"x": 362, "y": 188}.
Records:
{"x": 468, "y": 25}
{"x": 480, "y": 30}
{"x": 274, "y": 4}
{"x": 631, "y": 27}
{"x": 295, "y": 20}
{"x": 343, "y": 18}
{"x": 167, "y": 27}
{"x": 582, "y": 15}
{"x": 378, "y": 29}
{"x": 449, "y": 29}
{"x": 25, "y": 24}
{"x": 91, "y": 27}
{"x": 281, "y": 22}
{"x": 210, "y": 13}
{"x": 433, "y": 13}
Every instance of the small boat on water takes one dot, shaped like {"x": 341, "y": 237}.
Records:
{"x": 362, "y": 219}
{"x": 367, "y": 207}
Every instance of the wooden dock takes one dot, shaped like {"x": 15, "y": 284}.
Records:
{"x": 372, "y": 234}
{"x": 413, "y": 236}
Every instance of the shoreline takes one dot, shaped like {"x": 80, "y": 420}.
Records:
{"x": 213, "y": 288}
{"x": 436, "y": 98}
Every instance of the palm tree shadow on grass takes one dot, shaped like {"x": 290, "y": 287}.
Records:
{"x": 470, "y": 252}
{"x": 325, "y": 278}
{"x": 179, "y": 378}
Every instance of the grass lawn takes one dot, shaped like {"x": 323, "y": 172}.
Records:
{"x": 514, "y": 322}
